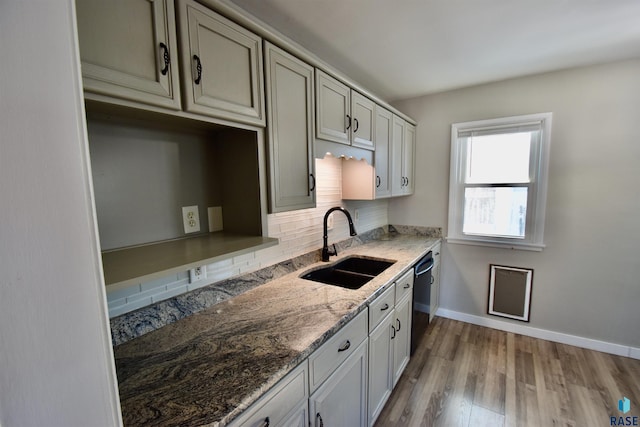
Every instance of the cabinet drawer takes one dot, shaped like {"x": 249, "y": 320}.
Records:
{"x": 332, "y": 353}
{"x": 382, "y": 306}
{"x": 404, "y": 285}
{"x": 282, "y": 401}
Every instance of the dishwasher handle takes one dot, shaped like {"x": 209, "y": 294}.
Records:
{"x": 424, "y": 266}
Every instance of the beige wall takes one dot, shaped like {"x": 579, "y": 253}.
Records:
{"x": 587, "y": 280}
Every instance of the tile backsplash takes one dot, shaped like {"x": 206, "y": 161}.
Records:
{"x": 299, "y": 232}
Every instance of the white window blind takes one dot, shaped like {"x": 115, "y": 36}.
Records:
{"x": 498, "y": 181}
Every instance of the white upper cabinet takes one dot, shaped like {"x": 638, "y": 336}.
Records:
{"x": 333, "y": 109}
{"x": 128, "y": 50}
{"x": 382, "y": 139}
{"x": 290, "y": 131}
{"x": 362, "y": 120}
{"x": 408, "y": 157}
{"x": 221, "y": 66}
{"x": 342, "y": 114}
{"x": 403, "y": 137}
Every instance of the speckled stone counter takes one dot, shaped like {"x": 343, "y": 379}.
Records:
{"x": 207, "y": 368}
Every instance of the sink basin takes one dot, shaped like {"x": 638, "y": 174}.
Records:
{"x": 350, "y": 273}
{"x": 370, "y": 266}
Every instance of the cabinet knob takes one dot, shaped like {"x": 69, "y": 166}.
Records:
{"x": 165, "y": 58}
{"x": 399, "y": 324}
{"x": 378, "y": 181}
{"x": 266, "y": 422}
{"x": 407, "y": 286}
{"x": 348, "y": 122}
{"x": 198, "y": 69}
{"x": 355, "y": 123}
{"x": 394, "y": 332}
{"x": 385, "y": 307}
{"x": 319, "y": 418}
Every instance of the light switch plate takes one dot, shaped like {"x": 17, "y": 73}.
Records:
{"x": 215, "y": 219}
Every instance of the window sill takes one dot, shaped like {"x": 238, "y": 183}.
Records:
{"x": 534, "y": 247}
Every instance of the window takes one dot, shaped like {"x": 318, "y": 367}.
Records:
{"x": 498, "y": 182}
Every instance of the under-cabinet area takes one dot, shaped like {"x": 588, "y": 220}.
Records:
{"x": 146, "y": 171}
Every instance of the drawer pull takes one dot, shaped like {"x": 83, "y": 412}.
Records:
{"x": 407, "y": 286}
{"x": 319, "y": 417}
{"x": 266, "y": 422}
{"x": 345, "y": 346}
{"x": 198, "y": 69}
{"x": 165, "y": 58}
{"x": 385, "y": 307}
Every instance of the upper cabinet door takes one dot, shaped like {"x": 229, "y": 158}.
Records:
{"x": 382, "y": 139}
{"x": 333, "y": 120}
{"x": 408, "y": 151}
{"x": 290, "y": 130}
{"x": 222, "y": 66}
{"x": 362, "y": 121}
{"x": 128, "y": 50}
{"x": 397, "y": 141}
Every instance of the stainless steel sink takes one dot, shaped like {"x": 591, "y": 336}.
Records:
{"x": 351, "y": 273}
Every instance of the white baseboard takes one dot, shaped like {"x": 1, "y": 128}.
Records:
{"x": 603, "y": 346}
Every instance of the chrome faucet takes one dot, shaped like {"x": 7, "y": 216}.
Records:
{"x": 326, "y": 252}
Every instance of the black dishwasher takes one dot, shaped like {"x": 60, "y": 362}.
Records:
{"x": 421, "y": 299}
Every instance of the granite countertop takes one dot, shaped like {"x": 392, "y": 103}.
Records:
{"x": 207, "y": 368}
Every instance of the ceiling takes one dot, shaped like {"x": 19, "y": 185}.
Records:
{"x": 404, "y": 48}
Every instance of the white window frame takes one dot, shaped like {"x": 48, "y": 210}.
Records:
{"x": 537, "y": 188}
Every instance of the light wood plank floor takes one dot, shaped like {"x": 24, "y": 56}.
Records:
{"x": 468, "y": 375}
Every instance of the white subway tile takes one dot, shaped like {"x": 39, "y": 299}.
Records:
{"x": 169, "y": 293}
{"x": 160, "y": 283}
{"x": 122, "y": 293}
{"x": 134, "y": 305}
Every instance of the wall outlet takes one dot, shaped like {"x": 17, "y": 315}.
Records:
{"x": 191, "y": 219}
{"x": 197, "y": 274}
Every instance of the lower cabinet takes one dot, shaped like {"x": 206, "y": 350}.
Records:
{"x": 402, "y": 340}
{"x": 435, "y": 283}
{"x": 342, "y": 399}
{"x": 347, "y": 380}
{"x": 380, "y": 366}
{"x": 286, "y": 404}
{"x": 298, "y": 418}
{"x": 389, "y": 342}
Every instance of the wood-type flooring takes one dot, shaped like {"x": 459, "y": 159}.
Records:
{"x": 468, "y": 375}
